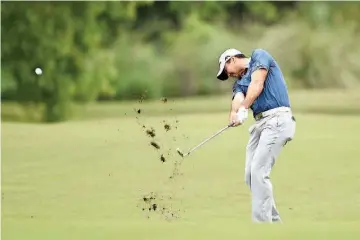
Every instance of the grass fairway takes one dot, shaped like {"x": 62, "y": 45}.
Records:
{"x": 85, "y": 180}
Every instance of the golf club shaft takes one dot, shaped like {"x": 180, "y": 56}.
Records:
{"x": 206, "y": 140}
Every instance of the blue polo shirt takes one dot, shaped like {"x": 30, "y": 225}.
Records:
{"x": 275, "y": 93}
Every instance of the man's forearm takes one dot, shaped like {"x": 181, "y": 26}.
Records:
{"x": 253, "y": 92}
{"x": 236, "y": 102}
{"x": 255, "y": 87}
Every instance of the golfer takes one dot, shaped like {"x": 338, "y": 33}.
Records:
{"x": 259, "y": 85}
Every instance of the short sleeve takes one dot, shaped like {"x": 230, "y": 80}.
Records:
{"x": 261, "y": 59}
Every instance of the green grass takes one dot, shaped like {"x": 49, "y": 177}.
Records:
{"x": 84, "y": 179}
{"x": 329, "y": 101}
{"x": 315, "y": 101}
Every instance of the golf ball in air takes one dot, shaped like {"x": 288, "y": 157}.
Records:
{"x": 38, "y": 71}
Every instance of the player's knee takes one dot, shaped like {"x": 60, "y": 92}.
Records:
{"x": 258, "y": 173}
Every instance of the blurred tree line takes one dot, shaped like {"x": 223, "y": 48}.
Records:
{"x": 92, "y": 51}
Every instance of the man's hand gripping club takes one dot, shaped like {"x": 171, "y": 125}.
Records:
{"x": 240, "y": 104}
{"x": 238, "y": 113}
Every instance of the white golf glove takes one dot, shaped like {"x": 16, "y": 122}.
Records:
{"x": 242, "y": 114}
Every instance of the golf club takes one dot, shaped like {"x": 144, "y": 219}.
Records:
{"x": 203, "y": 142}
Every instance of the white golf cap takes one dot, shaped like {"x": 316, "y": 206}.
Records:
{"x": 231, "y": 52}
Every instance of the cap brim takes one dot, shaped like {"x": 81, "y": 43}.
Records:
{"x": 221, "y": 75}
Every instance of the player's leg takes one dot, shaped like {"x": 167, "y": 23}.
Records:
{"x": 250, "y": 151}
{"x": 283, "y": 119}
{"x": 277, "y": 130}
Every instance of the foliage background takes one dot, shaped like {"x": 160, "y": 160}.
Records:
{"x": 115, "y": 51}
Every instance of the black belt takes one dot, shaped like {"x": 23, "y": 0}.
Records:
{"x": 260, "y": 116}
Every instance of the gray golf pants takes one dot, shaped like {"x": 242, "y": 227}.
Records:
{"x": 268, "y": 136}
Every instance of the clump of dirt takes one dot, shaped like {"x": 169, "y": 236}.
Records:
{"x": 176, "y": 170}
{"x": 177, "y": 124}
{"x": 143, "y": 96}
{"x": 154, "y": 206}
{"x": 167, "y": 127}
{"x": 155, "y": 145}
{"x": 153, "y": 203}
{"x": 151, "y": 132}
{"x": 148, "y": 199}
{"x": 162, "y": 158}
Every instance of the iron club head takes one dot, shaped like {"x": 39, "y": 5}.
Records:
{"x": 180, "y": 152}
